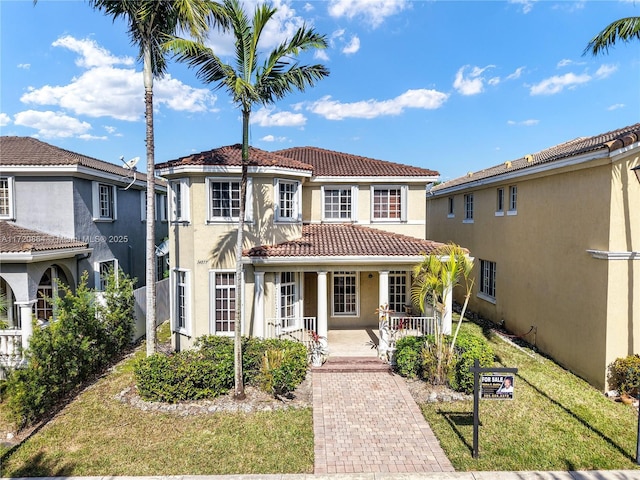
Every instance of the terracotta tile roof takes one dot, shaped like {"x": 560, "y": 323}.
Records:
{"x": 339, "y": 240}
{"x": 337, "y": 164}
{"x": 610, "y": 141}
{"x": 231, "y": 155}
{"x": 17, "y": 239}
{"x": 31, "y": 152}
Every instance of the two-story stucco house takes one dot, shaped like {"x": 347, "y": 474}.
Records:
{"x": 329, "y": 238}
{"x": 556, "y": 241}
{"x": 63, "y": 213}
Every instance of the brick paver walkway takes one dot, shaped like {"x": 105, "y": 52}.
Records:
{"x": 368, "y": 422}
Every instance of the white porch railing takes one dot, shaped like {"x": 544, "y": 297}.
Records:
{"x": 404, "y": 326}
{"x": 10, "y": 347}
{"x": 293, "y": 328}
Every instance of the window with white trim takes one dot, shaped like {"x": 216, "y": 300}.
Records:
{"x": 288, "y": 299}
{"x": 337, "y": 203}
{"x": 6, "y": 198}
{"x": 182, "y": 301}
{"x": 468, "y": 208}
{"x": 102, "y": 271}
{"x": 223, "y": 200}
{"x": 161, "y": 207}
{"x": 398, "y": 282}
{"x": 345, "y": 293}
{"x": 288, "y": 200}
{"x": 388, "y": 203}
{"x": 104, "y": 202}
{"x": 179, "y": 200}
{"x": 513, "y": 200}
{"x": 223, "y": 302}
{"x": 451, "y": 211}
{"x": 488, "y": 279}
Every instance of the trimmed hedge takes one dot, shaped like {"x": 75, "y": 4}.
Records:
{"x": 624, "y": 375}
{"x": 276, "y": 366}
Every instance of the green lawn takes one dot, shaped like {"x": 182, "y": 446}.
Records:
{"x": 555, "y": 422}
{"x": 98, "y": 435}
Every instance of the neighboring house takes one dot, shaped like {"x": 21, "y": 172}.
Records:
{"x": 556, "y": 241}
{"x": 63, "y": 213}
{"x": 329, "y": 238}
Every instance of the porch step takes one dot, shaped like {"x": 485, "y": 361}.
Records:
{"x": 352, "y": 364}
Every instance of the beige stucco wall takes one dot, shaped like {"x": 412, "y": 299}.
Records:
{"x": 545, "y": 278}
{"x": 416, "y": 209}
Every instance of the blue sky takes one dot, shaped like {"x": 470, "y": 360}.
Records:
{"x": 448, "y": 85}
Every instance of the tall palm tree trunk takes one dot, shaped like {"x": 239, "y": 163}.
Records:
{"x": 237, "y": 343}
{"x": 151, "y": 206}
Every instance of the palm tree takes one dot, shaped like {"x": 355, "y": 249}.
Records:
{"x": 624, "y": 29}
{"x": 435, "y": 278}
{"x": 152, "y": 23}
{"x": 249, "y": 84}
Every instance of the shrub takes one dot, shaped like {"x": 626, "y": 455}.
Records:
{"x": 468, "y": 348}
{"x": 118, "y": 313}
{"x": 74, "y": 346}
{"x": 207, "y": 371}
{"x": 408, "y": 356}
{"x": 624, "y": 375}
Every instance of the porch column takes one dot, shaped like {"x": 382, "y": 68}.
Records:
{"x": 383, "y": 288}
{"x": 448, "y": 310}
{"x": 258, "y": 305}
{"x": 26, "y": 320}
{"x": 323, "y": 328}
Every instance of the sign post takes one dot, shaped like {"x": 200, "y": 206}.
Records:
{"x": 496, "y": 386}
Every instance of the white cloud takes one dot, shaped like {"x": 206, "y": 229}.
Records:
{"x": 527, "y": 5}
{"x": 473, "y": 82}
{"x": 265, "y": 117}
{"x": 516, "y": 74}
{"x": 374, "y": 12}
{"x": 335, "y": 110}
{"x": 308, "y": 7}
{"x": 564, "y": 62}
{"x": 54, "y": 124}
{"x": 271, "y": 138}
{"x": 558, "y": 83}
{"x": 526, "y": 123}
{"x": 616, "y": 106}
{"x": 4, "y": 119}
{"x": 605, "y": 70}
{"x": 90, "y": 53}
{"x": 104, "y": 90}
{"x": 24, "y": 66}
{"x": 352, "y": 47}
{"x": 321, "y": 55}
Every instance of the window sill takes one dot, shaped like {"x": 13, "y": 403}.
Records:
{"x": 179, "y": 222}
{"x": 467, "y": 220}
{"x": 451, "y": 216}
{"x": 500, "y": 214}
{"x": 486, "y": 298}
{"x": 512, "y": 212}
{"x": 104, "y": 220}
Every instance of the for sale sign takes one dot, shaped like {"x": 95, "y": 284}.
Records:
{"x": 496, "y": 387}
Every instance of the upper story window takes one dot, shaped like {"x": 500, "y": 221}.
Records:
{"x": 488, "y": 280}
{"x": 161, "y": 206}
{"x": 6, "y": 198}
{"x": 450, "y": 210}
{"x": 468, "y": 208}
{"x": 223, "y": 200}
{"x": 288, "y": 201}
{"x": 513, "y": 200}
{"x": 104, "y": 202}
{"x": 500, "y": 202}
{"x": 182, "y": 304}
{"x": 338, "y": 203}
{"x": 103, "y": 271}
{"x": 179, "y": 200}
{"x": 389, "y": 203}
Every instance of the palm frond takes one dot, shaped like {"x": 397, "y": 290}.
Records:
{"x": 625, "y": 29}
